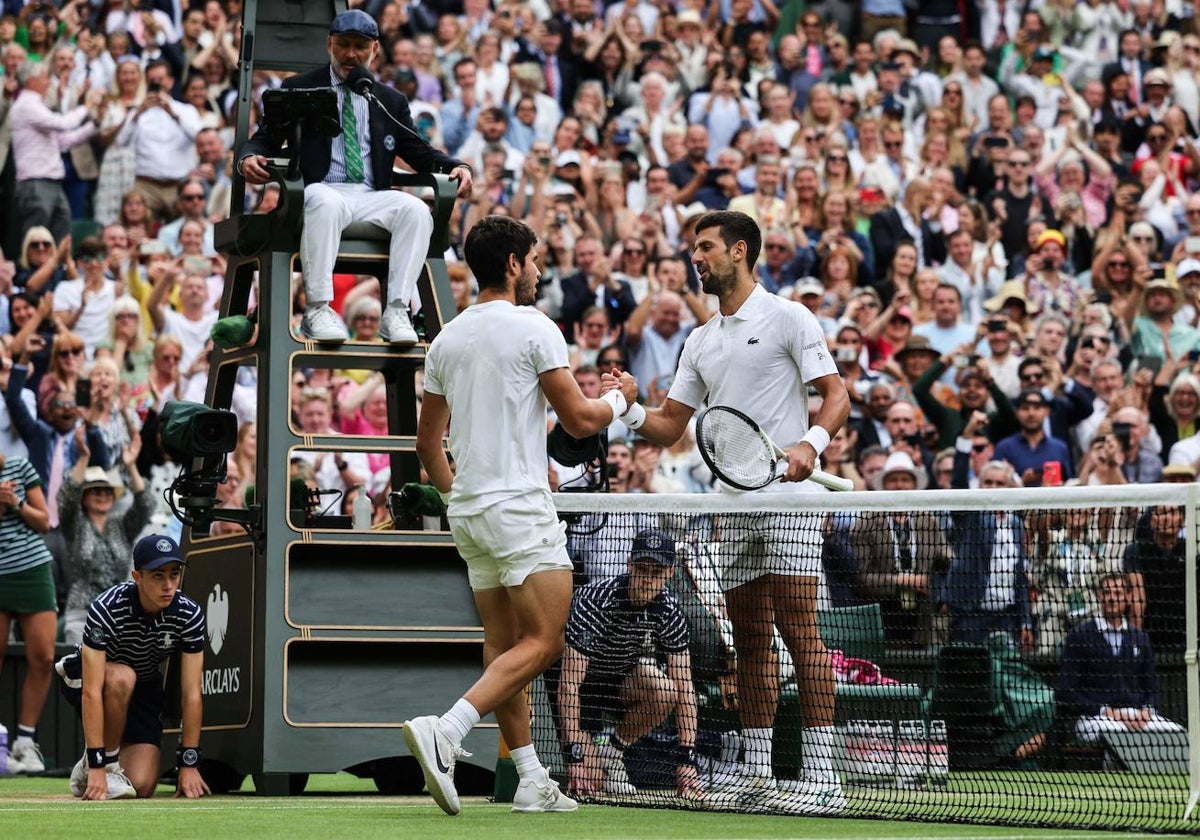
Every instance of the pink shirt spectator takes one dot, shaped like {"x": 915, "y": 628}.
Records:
{"x": 40, "y": 136}
{"x": 1094, "y": 196}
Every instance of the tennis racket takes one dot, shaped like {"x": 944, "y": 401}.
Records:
{"x": 741, "y": 455}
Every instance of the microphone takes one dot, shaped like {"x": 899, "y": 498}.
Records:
{"x": 361, "y": 81}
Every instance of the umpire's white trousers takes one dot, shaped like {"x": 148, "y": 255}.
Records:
{"x": 330, "y": 208}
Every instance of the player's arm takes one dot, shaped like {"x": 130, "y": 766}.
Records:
{"x": 435, "y": 415}
{"x": 92, "y": 706}
{"x": 835, "y": 408}
{"x": 191, "y": 674}
{"x": 579, "y": 415}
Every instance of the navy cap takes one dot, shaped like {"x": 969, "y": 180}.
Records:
{"x": 155, "y": 551}
{"x": 355, "y": 22}
{"x": 654, "y": 544}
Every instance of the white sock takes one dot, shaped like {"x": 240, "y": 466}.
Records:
{"x": 23, "y": 741}
{"x": 457, "y": 722}
{"x": 112, "y": 756}
{"x": 818, "y": 754}
{"x": 529, "y": 766}
{"x": 757, "y": 745}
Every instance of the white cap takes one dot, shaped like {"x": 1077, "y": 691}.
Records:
{"x": 1186, "y": 267}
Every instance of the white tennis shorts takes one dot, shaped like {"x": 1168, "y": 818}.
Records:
{"x": 757, "y": 544}
{"x": 508, "y": 542}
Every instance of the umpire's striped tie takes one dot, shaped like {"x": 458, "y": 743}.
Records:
{"x": 354, "y": 163}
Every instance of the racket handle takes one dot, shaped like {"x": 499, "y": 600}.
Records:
{"x": 833, "y": 482}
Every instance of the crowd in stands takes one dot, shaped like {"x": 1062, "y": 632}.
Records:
{"x": 988, "y": 206}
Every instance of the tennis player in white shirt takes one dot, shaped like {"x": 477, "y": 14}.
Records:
{"x": 759, "y": 355}
{"x": 489, "y": 374}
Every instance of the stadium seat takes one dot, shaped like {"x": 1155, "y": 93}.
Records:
{"x": 858, "y": 632}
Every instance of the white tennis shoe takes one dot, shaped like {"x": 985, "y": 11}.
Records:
{"x": 532, "y": 798}
{"x": 26, "y": 759}
{"x": 395, "y": 327}
{"x": 616, "y": 778}
{"x": 119, "y": 786}
{"x": 436, "y": 755}
{"x": 321, "y": 323}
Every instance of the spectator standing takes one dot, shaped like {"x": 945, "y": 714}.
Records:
{"x": 84, "y": 305}
{"x": 162, "y": 131}
{"x": 39, "y": 137}
{"x": 99, "y": 543}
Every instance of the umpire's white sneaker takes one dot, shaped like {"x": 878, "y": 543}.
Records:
{"x": 79, "y": 774}
{"x": 436, "y": 755}
{"x": 395, "y": 327}
{"x": 321, "y": 323}
{"x": 532, "y": 798}
{"x": 119, "y": 786}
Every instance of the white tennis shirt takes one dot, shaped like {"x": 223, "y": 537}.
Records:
{"x": 759, "y": 361}
{"x": 486, "y": 363}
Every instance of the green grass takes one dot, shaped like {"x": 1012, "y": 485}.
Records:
{"x": 342, "y": 806}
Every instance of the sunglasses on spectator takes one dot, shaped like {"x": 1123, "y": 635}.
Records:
{"x": 636, "y": 251}
{"x": 869, "y": 304}
{"x": 62, "y": 404}
{"x": 1012, "y": 162}
{"x": 71, "y": 351}
{"x": 1118, "y": 264}
{"x": 956, "y": 91}
{"x": 192, "y": 196}
{"x": 611, "y": 361}
{"x": 979, "y": 447}
{"x": 126, "y": 316}
{"x": 90, "y": 258}
{"x": 1033, "y": 374}
{"x": 776, "y": 246}
{"x": 837, "y": 158}
{"x": 373, "y": 318}
{"x": 851, "y": 102}
{"x": 810, "y": 138}
{"x": 41, "y": 243}
{"x": 1193, "y": 211}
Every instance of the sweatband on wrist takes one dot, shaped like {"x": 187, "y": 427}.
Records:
{"x": 616, "y": 401}
{"x": 634, "y": 417}
{"x": 817, "y": 438}
{"x": 95, "y": 758}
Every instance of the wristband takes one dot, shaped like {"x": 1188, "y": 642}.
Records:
{"x": 575, "y": 754}
{"x": 634, "y": 417}
{"x": 817, "y": 438}
{"x": 445, "y": 497}
{"x": 616, "y": 401}
{"x": 187, "y": 757}
{"x": 95, "y": 758}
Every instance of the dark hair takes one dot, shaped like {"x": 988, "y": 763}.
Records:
{"x": 735, "y": 226}
{"x": 496, "y": 113}
{"x": 90, "y": 247}
{"x": 489, "y": 244}
{"x": 1028, "y": 362}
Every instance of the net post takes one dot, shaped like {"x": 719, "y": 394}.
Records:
{"x": 506, "y": 774}
{"x": 1190, "y": 658}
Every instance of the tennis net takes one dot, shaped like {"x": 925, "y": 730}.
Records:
{"x": 978, "y": 668}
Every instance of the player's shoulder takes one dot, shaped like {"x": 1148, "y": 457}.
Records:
{"x": 116, "y": 594}
{"x": 185, "y": 606}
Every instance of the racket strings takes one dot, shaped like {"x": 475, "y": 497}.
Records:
{"x": 739, "y": 450}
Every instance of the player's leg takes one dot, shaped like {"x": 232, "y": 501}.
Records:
{"x": 794, "y": 601}
{"x": 750, "y": 608}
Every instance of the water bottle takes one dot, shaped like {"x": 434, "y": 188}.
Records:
{"x": 3, "y": 750}
{"x": 361, "y": 510}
